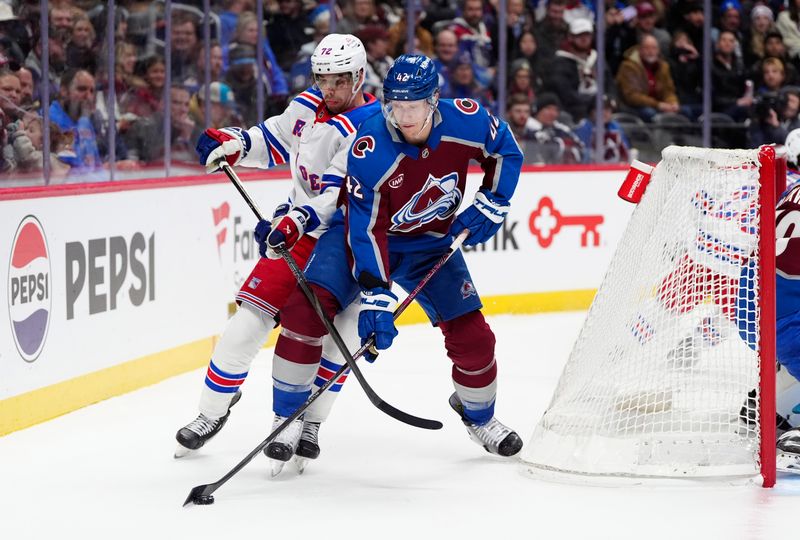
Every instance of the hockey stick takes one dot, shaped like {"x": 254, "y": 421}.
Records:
{"x": 376, "y": 400}
{"x": 203, "y": 494}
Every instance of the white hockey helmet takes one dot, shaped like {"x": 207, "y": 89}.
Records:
{"x": 793, "y": 147}
{"x": 340, "y": 53}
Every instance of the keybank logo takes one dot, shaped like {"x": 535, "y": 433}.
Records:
{"x": 29, "y": 299}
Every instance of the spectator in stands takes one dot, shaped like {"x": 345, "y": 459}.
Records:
{"x": 572, "y": 73}
{"x": 521, "y": 79}
{"x": 145, "y": 140}
{"x": 360, "y": 13}
{"x": 731, "y": 95}
{"x": 730, "y": 20}
{"x": 60, "y": 19}
{"x": 693, "y": 21}
{"x": 222, "y": 109}
{"x": 774, "y": 116}
{"x": 687, "y": 71}
{"x": 788, "y": 24}
{"x": 26, "y": 89}
{"x": 616, "y": 148}
{"x": 57, "y": 63}
{"x": 398, "y": 35}
{"x": 277, "y": 89}
{"x": 146, "y": 100}
{"x": 473, "y": 37}
{"x": 462, "y": 82}
{"x": 300, "y": 73}
{"x": 773, "y": 75}
{"x": 555, "y": 142}
{"x": 216, "y": 67}
{"x": 229, "y": 17}
{"x": 518, "y": 20}
{"x": 518, "y": 115}
{"x": 551, "y": 31}
{"x": 81, "y": 50}
{"x": 775, "y": 48}
{"x": 445, "y": 52}
{"x": 71, "y": 112}
{"x": 376, "y": 43}
{"x": 645, "y": 82}
{"x": 10, "y": 96}
{"x": 625, "y": 34}
{"x": 14, "y": 35}
{"x": 185, "y": 46}
{"x": 287, "y": 31}
{"x": 26, "y": 147}
{"x": 762, "y": 22}
{"x": 527, "y": 49}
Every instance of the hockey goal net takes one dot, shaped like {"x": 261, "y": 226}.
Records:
{"x": 673, "y": 370}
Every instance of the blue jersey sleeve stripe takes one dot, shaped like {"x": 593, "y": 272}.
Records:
{"x": 305, "y": 103}
{"x": 265, "y": 133}
{"x": 338, "y": 126}
{"x": 281, "y": 150}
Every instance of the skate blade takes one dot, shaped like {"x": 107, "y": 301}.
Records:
{"x": 788, "y": 463}
{"x": 275, "y": 467}
{"x": 300, "y": 463}
{"x": 182, "y": 451}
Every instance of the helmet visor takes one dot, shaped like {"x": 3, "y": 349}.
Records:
{"x": 405, "y": 113}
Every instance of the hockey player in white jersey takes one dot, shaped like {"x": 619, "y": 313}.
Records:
{"x": 313, "y": 135}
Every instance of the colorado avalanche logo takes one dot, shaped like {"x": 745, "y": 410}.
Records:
{"x": 29, "y": 300}
{"x": 362, "y": 145}
{"x": 438, "y": 199}
{"x": 467, "y": 106}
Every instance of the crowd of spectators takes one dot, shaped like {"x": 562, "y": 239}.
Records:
{"x": 652, "y": 74}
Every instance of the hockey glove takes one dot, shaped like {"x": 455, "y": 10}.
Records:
{"x": 288, "y": 229}
{"x": 231, "y": 143}
{"x": 376, "y": 317}
{"x": 264, "y": 227}
{"x": 483, "y": 218}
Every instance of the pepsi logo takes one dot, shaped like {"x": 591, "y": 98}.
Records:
{"x": 29, "y": 296}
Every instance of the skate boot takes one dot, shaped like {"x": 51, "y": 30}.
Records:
{"x": 493, "y": 436}
{"x": 281, "y": 450}
{"x": 308, "y": 447}
{"x": 788, "y": 450}
{"x": 195, "y": 434}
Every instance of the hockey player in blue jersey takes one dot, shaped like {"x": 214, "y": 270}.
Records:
{"x": 406, "y": 178}
{"x": 787, "y": 262}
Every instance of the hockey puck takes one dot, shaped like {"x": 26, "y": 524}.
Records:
{"x": 203, "y": 499}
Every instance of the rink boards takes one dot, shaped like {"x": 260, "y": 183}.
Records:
{"x": 111, "y": 287}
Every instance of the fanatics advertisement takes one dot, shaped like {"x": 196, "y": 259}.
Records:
{"x": 94, "y": 280}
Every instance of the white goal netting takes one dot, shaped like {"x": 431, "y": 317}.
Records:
{"x": 663, "y": 379}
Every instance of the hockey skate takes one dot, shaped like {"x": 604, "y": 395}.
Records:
{"x": 788, "y": 451}
{"x": 493, "y": 436}
{"x": 194, "y": 435}
{"x": 308, "y": 446}
{"x": 281, "y": 450}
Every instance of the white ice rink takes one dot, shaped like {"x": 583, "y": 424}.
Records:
{"x": 107, "y": 472}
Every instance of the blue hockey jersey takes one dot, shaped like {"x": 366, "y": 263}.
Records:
{"x": 403, "y": 197}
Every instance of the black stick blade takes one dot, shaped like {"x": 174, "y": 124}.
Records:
{"x": 199, "y": 496}
{"x": 409, "y": 419}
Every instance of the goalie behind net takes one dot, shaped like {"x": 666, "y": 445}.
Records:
{"x": 663, "y": 379}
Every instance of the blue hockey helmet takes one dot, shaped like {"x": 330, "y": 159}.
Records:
{"x": 411, "y": 77}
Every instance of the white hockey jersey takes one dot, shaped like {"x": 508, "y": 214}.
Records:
{"x": 315, "y": 144}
